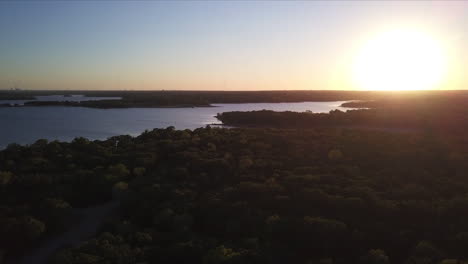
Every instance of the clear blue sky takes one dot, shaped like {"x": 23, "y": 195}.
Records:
{"x": 212, "y": 45}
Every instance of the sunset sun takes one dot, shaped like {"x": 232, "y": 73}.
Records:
{"x": 400, "y": 60}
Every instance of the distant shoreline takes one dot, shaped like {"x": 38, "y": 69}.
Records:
{"x": 179, "y": 99}
{"x": 98, "y": 104}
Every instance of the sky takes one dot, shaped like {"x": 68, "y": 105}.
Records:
{"x": 210, "y": 45}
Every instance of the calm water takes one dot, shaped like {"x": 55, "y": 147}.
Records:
{"x": 60, "y": 98}
{"x": 24, "y": 125}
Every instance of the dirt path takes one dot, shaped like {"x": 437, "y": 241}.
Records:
{"x": 90, "y": 220}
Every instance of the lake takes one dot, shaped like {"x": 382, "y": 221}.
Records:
{"x": 24, "y": 125}
{"x": 59, "y": 98}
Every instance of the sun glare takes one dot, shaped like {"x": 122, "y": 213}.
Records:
{"x": 400, "y": 60}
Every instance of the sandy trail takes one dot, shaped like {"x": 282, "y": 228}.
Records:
{"x": 90, "y": 220}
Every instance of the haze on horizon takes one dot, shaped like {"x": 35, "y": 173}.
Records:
{"x": 211, "y": 45}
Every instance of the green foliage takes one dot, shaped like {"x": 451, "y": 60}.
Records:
{"x": 425, "y": 252}
{"x": 258, "y": 196}
{"x": 32, "y": 227}
{"x": 375, "y": 256}
{"x": 335, "y": 154}
{"x": 422, "y": 112}
{"x": 219, "y": 255}
{"x": 117, "y": 172}
{"x": 5, "y": 177}
{"x": 139, "y": 171}
{"x": 450, "y": 261}
{"x": 119, "y": 189}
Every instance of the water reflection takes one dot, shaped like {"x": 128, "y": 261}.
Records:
{"x": 25, "y": 125}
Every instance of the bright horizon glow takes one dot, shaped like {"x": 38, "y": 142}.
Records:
{"x": 233, "y": 45}
{"x": 400, "y": 60}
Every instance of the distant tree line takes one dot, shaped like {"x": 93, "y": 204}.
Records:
{"x": 163, "y": 98}
{"x": 442, "y": 115}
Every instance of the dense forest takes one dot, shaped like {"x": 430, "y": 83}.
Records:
{"x": 429, "y": 113}
{"x": 216, "y": 195}
{"x": 382, "y": 119}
